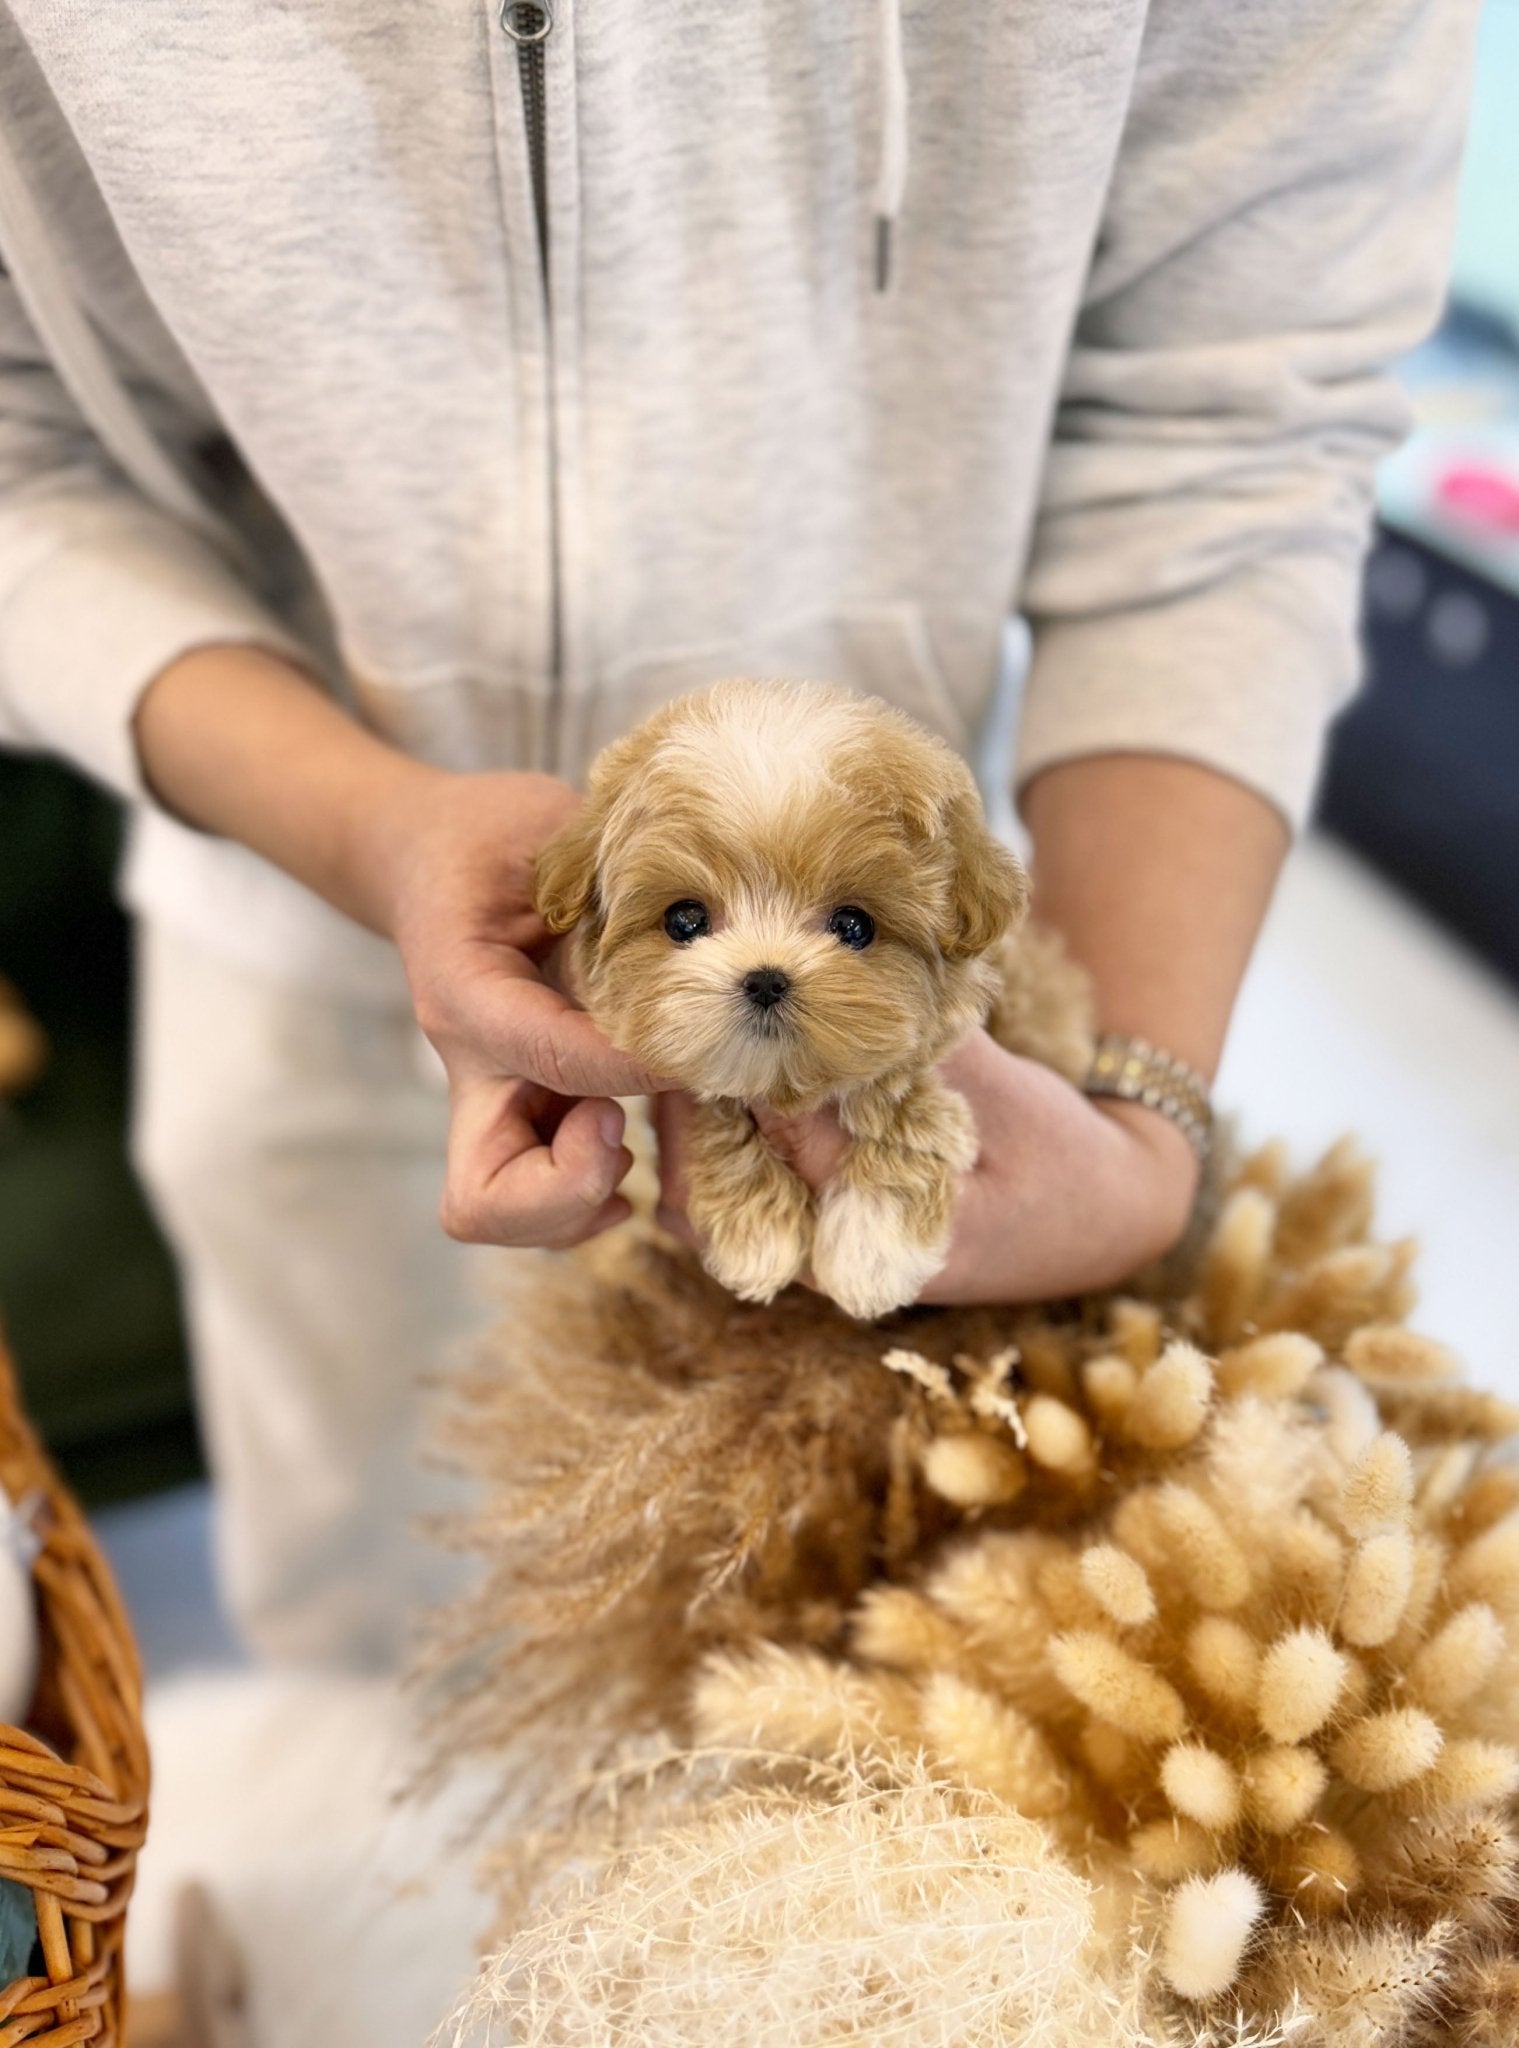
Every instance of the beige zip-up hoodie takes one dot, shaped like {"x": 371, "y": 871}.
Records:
{"x": 582, "y": 354}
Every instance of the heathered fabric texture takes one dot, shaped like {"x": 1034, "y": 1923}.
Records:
{"x": 1128, "y": 376}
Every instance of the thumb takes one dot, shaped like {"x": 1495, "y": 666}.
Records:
{"x": 812, "y": 1146}
{"x": 534, "y": 1033}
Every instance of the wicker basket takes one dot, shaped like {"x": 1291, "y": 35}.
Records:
{"x": 73, "y": 1809}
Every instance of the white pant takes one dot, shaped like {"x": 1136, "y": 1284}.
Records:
{"x": 292, "y": 1143}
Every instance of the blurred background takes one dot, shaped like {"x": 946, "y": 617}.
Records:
{"x": 1384, "y": 1001}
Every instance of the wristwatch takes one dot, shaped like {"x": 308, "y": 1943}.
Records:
{"x": 1133, "y": 1070}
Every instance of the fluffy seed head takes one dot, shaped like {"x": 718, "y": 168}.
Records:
{"x": 1208, "y": 1924}
{"x": 1276, "y": 1367}
{"x": 988, "y": 1745}
{"x": 1211, "y": 1564}
{"x": 1135, "y": 1327}
{"x": 974, "y": 1471}
{"x": 899, "y": 1628}
{"x": 1444, "y": 1478}
{"x": 798, "y": 1699}
{"x": 1377, "y": 1586}
{"x": 1282, "y": 1787}
{"x": 1109, "y": 1384}
{"x": 1118, "y": 1584}
{"x": 1487, "y": 1499}
{"x": 1166, "y": 1851}
{"x": 1225, "y": 1659}
{"x": 1458, "y": 1659}
{"x": 1136, "y": 1524}
{"x": 1431, "y": 1556}
{"x": 1302, "y": 1675}
{"x": 1386, "y": 1750}
{"x": 1063, "y": 1589}
{"x": 1379, "y": 1488}
{"x": 1170, "y": 1403}
{"x": 1234, "y": 1269}
{"x": 1349, "y": 1410}
{"x": 1488, "y": 1567}
{"x": 1117, "y": 1687}
{"x": 1468, "y": 1773}
{"x": 1058, "y": 1438}
{"x": 1200, "y": 1785}
{"x": 1387, "y": 1355}
{"x": 1310, "y": 1565}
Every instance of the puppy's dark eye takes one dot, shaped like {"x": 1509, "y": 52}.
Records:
{"x": 687, "y": 920}
{"x": 852, "y": 927}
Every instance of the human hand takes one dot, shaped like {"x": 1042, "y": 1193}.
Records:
{"x": 535, "y": 1151}
{"x": 240, "y": 742}
{"x": 1067, "y": 1194}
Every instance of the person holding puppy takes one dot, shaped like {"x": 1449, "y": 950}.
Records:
{"x": 395, "y": 408}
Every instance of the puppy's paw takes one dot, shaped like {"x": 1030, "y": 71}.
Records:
{"x": 866, "y": 1255}
{"x": 755, "y": 1257}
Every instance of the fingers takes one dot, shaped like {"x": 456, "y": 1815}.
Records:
{"x": 535, "y": 1149}
{"x": 675, "y": 1223}
{"x": 565, "y": 1051}
{"x": 812, "y": 1146}
{"x": 672, "y": 1124}
{"x": 511, "y": 1019}
{"x": 506, "y": 1186}
{"x": 587, "y": 1151}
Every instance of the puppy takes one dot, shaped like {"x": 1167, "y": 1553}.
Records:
{"x": 787, "y": 894}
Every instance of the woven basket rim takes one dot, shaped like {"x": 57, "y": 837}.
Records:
{"x": 73, "y": 1811}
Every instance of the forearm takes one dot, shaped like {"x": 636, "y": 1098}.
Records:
{"x": 1157, "y": 872}
{"x": 238, "y": 742}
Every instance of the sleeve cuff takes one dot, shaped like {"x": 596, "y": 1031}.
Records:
{"x": 120, "y": 593}
{"x": 1243, "y": 677}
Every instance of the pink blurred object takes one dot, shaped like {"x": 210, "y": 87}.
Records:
{"x": 1485, "y": 496}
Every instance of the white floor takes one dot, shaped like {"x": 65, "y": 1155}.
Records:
{"x": 357, "y": 1916}
{"x": 1360, "y": 1015}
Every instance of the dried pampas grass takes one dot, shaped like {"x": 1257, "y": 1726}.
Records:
{"x": 1211, "y": 1588}
{"x": 838, "y": 1910}
{"x": 667, "y": 1471}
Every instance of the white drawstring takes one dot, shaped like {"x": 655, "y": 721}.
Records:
{"x": 891, "y": 171}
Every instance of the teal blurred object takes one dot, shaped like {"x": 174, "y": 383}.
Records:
{"x": 18, "y": 1930}
{"x": 88, "y": 1295}
{"x": 1486, "y": 272}
{"x": 1464, "y": 381}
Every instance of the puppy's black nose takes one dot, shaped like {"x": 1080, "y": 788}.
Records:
{"x": 765, "y": 986}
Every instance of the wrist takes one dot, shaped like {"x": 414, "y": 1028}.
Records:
{"x": 240, "y": 741}
{"x": 387, "y": 805}
{"x": 1166, "y": 1166}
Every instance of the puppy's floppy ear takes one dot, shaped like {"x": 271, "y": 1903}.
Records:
{"x": 988, "y": 888}
{"x": 564, "y": 875}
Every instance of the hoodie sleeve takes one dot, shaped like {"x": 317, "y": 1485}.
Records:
{"x": 99, "y": 590}
{"x": 1277, "y": 232}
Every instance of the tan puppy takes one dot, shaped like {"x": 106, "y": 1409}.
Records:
{"x": 787, "y": 894}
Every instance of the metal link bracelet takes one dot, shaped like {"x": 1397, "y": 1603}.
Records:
{"x": 1133, "y": 1070}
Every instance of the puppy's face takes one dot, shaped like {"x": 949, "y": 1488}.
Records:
{"x": 782, "y": 892}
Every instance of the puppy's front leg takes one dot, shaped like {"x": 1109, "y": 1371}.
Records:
{"x": 884, "y": 1220}
{"x": 753, "y": 1212}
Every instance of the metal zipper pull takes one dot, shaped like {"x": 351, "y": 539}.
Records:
{"x": 529, "y": 23}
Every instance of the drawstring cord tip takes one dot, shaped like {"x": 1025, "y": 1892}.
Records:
{"x": 883, "y": 253}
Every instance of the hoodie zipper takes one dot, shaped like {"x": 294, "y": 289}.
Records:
{"x": 529, "y": 23}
